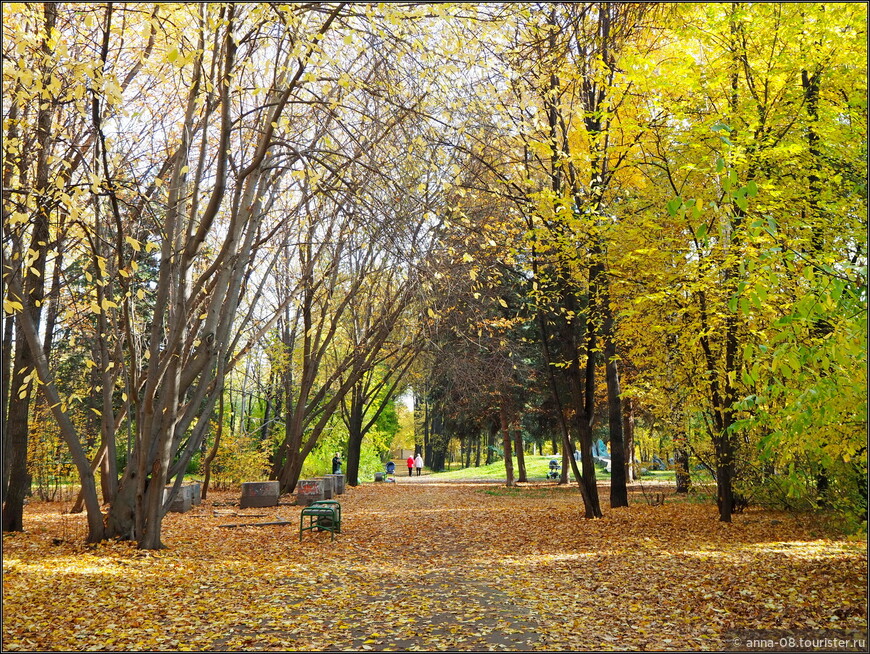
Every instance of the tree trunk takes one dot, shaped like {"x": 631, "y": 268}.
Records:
{"x": 563, "y": 475}
{"x": 27, "y": 328}
{"x": 5, "y": 377}
{"x": 6, "y": 373}
{"x": 521, "y": 458}
{"x": 17, "y": 483}
{"x": 33, "y": 286}
{"x": 811, "y": 84}
{"x": 586, "y": 478}
{"x": 80, "y": 499}
{"x": 618, "y": 460}
{"x": 628, "y": 436}
{"x": 490, "y": 441}
{"x": 725, "y": 449}
{"x": 593, "y": 510}
{"x": 725, "y": 483}
{"x": 437, "y": 442}
{"x": 681, "y": 464}
{"x": 210, "y": 457}
{"x": 354, "y": 439}
{"x": 427, "y": 446}
{"x": 600, "y": 306}
{"x": 506, "y": 443}
{"x": 584, "y": 431}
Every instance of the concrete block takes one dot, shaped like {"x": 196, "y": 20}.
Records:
{"x": 328, "y": 487}
{"x": 195, "y": 492}
{"x": 339, "y": 483}
{"x": 259, "y": 493}
{"x": 182, "y": 502}
{"x": 309, "y": 491}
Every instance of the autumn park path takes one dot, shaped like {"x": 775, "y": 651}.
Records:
{"x": 432, "y": 566}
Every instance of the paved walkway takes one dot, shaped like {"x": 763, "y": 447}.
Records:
{"x": 429, "y": 478}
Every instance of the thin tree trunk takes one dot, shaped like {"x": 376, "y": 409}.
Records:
{"x": 491, "y": 433}
{"x": 521, "y": 458}
{"x": 506, "y": 443}
{"x": 628, "y": 435}
{"x": 96, "y": 531}
{"x": 215, "y": 448}
{"x": 80, "y": 498}
{"x": 5, "y": 376}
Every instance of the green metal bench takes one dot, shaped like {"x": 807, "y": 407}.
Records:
{"x": 323, "y": 515}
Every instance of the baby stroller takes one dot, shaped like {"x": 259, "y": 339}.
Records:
{"x": 555, "y": 469}
{"x": 391, "y": 470}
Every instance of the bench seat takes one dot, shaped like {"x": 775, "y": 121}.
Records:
{"x": 324, "y": 515}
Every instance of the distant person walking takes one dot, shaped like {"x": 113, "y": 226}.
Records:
{"x": 336, "y": 465}
{"x": 418, "y": 462}
{"x": 410, "y": 463}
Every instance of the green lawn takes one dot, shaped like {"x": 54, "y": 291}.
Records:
{"x": 536, "y": 469}
{"x": 538, "y": 466}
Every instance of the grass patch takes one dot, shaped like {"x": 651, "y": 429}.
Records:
{"x": 520, "y": 492}
{"x": 537, "y": 468}
{"x": 659, "y": 475}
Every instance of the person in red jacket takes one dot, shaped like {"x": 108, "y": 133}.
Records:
{"x": 410, "y": 463}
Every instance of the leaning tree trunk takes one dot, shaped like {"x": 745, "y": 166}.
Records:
{"x": 215, "y": 448}
{"x": 96, "y": 531}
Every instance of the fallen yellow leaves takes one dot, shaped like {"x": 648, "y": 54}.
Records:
{"x": 433, "y": 567}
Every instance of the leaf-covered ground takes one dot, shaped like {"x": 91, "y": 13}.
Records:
{"x": 431, "y": 566}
